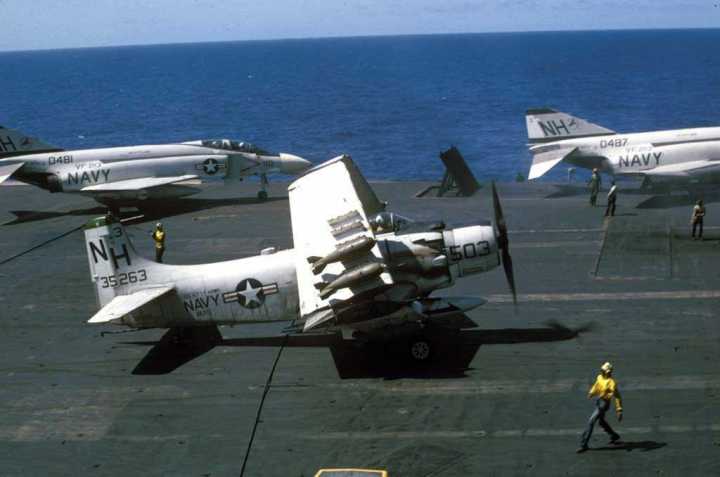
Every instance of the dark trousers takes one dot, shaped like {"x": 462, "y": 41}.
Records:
{"x": 610, "y": 207}
{"x": 696, "y": 223}
{"x": 593, "y": 197}
{"x": 598, "y": 415}
{"x": 158, "y": 254}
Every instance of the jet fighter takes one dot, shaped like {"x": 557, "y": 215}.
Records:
{"x": 357, "y": 270}
{"x": 129, "y": 175}
{"x": 678, "y": 156}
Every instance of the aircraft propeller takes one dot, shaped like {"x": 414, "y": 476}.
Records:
{"x": 503, "y": 243}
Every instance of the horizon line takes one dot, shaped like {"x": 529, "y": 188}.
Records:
{"x": 345, "y": 37}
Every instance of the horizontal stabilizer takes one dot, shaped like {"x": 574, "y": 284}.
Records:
{"x": 137, "y": 184}
{"x": 544, "y": 160}
{"x": 6, "y": 171}
{"x": 123, "y": 304}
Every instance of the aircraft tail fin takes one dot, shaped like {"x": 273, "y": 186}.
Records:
{"x": 15, "y": 143}
{"x": 115, "y": 266}
{"x": 545, "y": 125}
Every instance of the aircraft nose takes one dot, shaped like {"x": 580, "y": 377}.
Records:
{"x": 292, "y": 164}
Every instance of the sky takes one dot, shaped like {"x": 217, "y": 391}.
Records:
{"x": 47, "y": 24}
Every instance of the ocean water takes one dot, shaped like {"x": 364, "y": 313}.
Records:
{"x": 393, "y": 103}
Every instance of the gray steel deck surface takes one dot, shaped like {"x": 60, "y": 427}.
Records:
{"x": 634, "y": 290}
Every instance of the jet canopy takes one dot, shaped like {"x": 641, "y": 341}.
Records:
{"x": 239, "y": 146}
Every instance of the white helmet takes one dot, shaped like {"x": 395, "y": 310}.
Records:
{"x": 607, "y": 367}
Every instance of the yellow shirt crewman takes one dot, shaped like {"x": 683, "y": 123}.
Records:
{"x": 605, "y": 389}
{"x": 159, "y": 238}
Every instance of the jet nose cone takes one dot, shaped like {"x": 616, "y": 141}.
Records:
{"x": 292, "y": 164}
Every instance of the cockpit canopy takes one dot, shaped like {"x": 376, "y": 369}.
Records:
{"x": 239, "y": 146}
{"x": 389, "y": 222}
{"x": 386, "y": 222}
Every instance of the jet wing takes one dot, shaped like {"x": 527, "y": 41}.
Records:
{"x": 137, "y": 184}
{"x": 330, "y": 206}
{"x": 124, "y": 304}
{"x": 9, "y": 170}
{"x": 685, "y": 169}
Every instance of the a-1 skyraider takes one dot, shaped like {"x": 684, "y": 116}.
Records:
{"x": 355, "y": 269}
{"x": 677, "y": 156}
{"x": 130, "y": 175}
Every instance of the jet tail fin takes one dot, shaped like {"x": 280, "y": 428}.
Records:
{"x": 15, "y": 143}
{"x": 545, "y": 125}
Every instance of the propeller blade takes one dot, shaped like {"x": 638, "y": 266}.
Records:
{"x": 497, "y": 208}
{"x": 504, "y": 243}
{"x": 509, "y": 274}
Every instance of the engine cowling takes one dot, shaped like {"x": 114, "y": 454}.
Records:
{"x": 471, "y": 250}
{"x": 428, "y": 261}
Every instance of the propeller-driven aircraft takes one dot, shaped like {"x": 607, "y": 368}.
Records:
{"x": 129, "y": 175}
{"x": 356, "y": 269}
{"x": 677, "y": 156}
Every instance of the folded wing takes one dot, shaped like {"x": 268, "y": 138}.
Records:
{"x": 330, "y": 207}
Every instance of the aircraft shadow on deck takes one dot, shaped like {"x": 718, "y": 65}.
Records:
{"x": 149, "y": 212}
{"x": 452, "y": 350}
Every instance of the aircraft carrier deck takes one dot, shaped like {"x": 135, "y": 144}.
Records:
{"x": 506, "y": 398}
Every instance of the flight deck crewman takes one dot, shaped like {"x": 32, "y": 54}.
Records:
{"x": 159, "y": 238}
{"x": 594, "y": 184}
{"x": 611, "y": 199}
{"x": 605, "y": 389}
{"x": 698, "y": 215}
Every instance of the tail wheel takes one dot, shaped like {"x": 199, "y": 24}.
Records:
{"x": 420, "y": 350}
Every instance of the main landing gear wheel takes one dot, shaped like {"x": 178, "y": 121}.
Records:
{"x": 420, "y": 350}
{"x": 262, "y": 195}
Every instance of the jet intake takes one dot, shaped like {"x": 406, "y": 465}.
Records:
{"x": 53, "y": 183}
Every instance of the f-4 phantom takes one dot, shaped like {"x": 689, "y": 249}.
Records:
{"x": 356, "y": 270}
{"x": 679, "y": 155}
{"x": 128, "y": 175}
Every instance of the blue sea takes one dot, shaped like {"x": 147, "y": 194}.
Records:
{"x": 393, "y": 103}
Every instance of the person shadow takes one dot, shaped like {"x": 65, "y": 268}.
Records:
{"x": 629, "y": 446}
